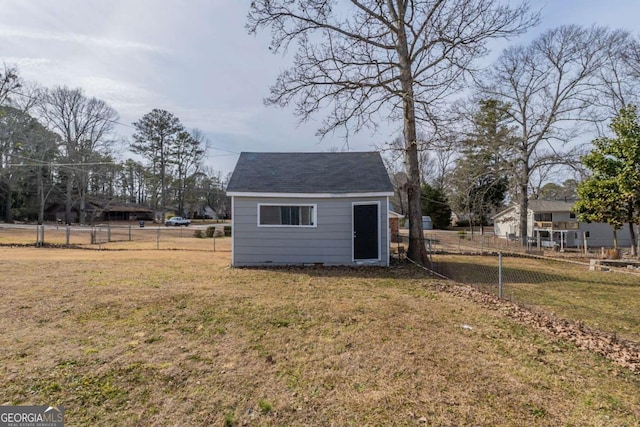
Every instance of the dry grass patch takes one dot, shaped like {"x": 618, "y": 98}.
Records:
{"x": 173, "y": 337}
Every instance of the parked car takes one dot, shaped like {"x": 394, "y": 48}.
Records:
{"x": 177, "y": 221}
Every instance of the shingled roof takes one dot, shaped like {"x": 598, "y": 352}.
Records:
{"x": 310, "y": 173}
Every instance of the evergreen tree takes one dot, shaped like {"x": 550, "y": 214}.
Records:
{"x": 612, "y": 193}
{"x": 435, "y": 205}
{"x": 155, "y": 138}
{"x": 480, "y": 179}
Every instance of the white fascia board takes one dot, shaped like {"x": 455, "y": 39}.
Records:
{"x": 310, "y": 195}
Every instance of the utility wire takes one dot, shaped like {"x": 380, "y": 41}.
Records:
{"x": 43, "y": 163}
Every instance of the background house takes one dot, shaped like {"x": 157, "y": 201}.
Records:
{"x": 552, "y": 223}
{"x": 394, "y": 225}
{"x": 310, "y": 208}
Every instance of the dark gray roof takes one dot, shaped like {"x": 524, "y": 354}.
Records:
{"x": 348, "y": 172}
{"x": 538, "y": 205}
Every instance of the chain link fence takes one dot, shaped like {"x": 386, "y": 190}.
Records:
{"x": 485, "y": 240}
{"x": 213, "y": 237}
{"x": 589, "y": 289}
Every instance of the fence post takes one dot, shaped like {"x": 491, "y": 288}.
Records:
{"x": 584, "y": 240}
{"x": 68, "y": 234}
{"x": 214, "y": 240}
{"x": 129, "y": 232}
{"x": 40, "y": 235}
{"x": 500, "y": 275}
{"x": 109, "y": 232}
{"x": 158, "y": 238}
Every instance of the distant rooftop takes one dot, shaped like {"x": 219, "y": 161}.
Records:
{"x": 290, "y": 173}
{"x": 537, "y": 205}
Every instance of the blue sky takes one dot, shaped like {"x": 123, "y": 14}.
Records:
{"x": 195, "y": 59}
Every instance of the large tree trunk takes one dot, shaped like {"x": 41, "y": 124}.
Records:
{"x": 417, "y": 250}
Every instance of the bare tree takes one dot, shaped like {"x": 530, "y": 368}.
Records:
{"x": 85, "y": 125}
{"x": 39, "y": 150}
{"x": 9, "y": 83}
{"x": 393, "y": 158}
{"x": 132, "y": 178}
{"x": 366, "y": 60}
{"x": 187, "y": 155}
{"x": 549, "y": 88}
{"x": 619, "y": 77}
{"x": 441, "y": 161}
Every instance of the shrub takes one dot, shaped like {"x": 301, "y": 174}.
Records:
{"x": 227, "y": 230}
{"x": 198, "y": 234}
{"x": 211, "y": 230}
{"x": 265, "y": 406}
{"x": 229, "y": 420}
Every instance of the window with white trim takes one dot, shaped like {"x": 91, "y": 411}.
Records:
{"x": 287, "y": 215}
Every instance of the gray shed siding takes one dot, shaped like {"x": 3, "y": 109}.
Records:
{"x": 330, "y": 242}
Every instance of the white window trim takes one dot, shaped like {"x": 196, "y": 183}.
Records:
{"x": 315, "y": 215}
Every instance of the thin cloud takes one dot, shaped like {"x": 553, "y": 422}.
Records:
{"x": 25, "y": 33}
{"x": 216, "y": 120}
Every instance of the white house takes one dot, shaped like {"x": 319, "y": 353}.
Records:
{"x": 310, "y": 208}
{"x": 552, "y": 223}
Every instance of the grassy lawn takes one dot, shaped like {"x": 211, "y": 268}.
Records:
{"x": 177, "y": 338}
{"x": 607, "y": 301}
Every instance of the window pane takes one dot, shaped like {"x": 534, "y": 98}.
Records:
{"x": 293, "y": 215}
{"x": 307, "y": 215}
{"x": 544, "y": 216}
{"x": 270, "y": 215}
{"x": 287, "y": 215}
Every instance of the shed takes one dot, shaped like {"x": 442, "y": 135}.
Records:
{"x": 310, "y": 208}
